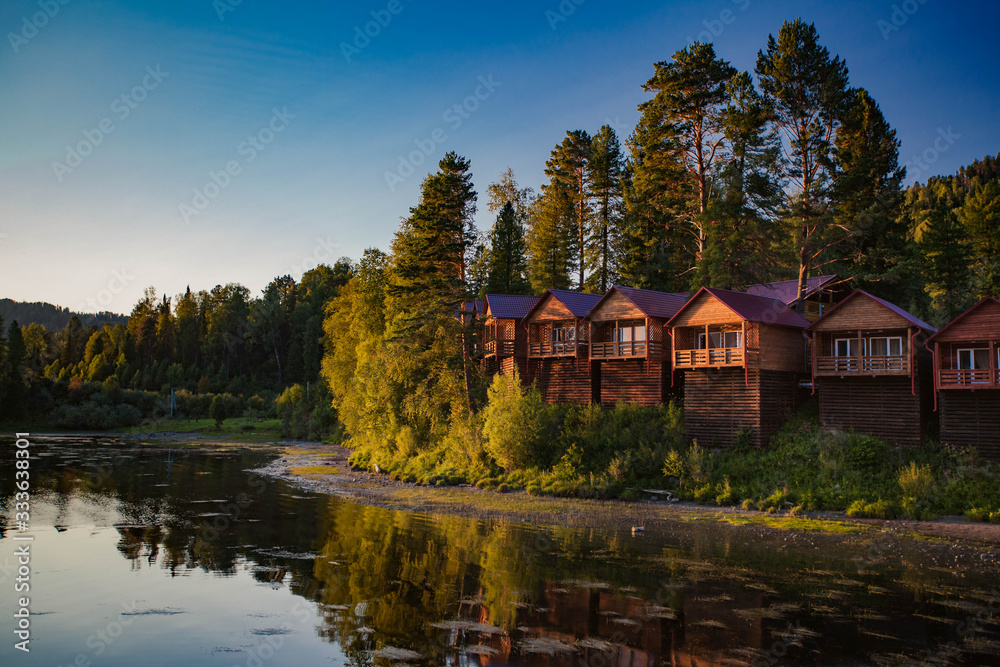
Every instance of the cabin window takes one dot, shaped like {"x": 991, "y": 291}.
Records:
{"x": 974, "y": 359}
{"x": 845, "y": 347}
{"x": 626, "y": 332}
{"x": 719, "y": 339}
{"x": 563, "y": 334}
{"x": 885, "y": 347}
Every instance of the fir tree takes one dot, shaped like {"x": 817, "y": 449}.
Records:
{"x": 604, "y": 176}
{"x": 507, "y": 255}
{"x": 808, "y": 91}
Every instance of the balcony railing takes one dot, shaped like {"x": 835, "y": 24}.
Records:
{"x": 882, "y": 365}
{"x": 720, "y": 356}
{"x": 499, "y": 348}
{"x": 559, "y": 349}
{"x": 969, "y": 378}
{"x": 626, "y": 349}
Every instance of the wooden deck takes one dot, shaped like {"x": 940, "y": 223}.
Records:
{"x": 498, "y": 348}
{"x": 626, "y": 350}
{"x": 969, "y": 379}
{"x": 868, "y": 365}
{"x": 721, "y": 357}
{"x": 562, "y": 349}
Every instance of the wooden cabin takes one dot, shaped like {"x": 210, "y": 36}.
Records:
{"x": 558, "y": 354}
{"x": 627, "y": 350}
{"x": 821, "y": 293}
{"x": 505, "y": 341}
{"x": 967, "y": 379}
{"x": 743, "y": 359}
{"x": 871, "y": 369}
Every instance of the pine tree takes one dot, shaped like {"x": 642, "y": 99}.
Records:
{"x": 654, "y": 251}
{"x": 740, "y": 242}
{"x": 980, "y": 215}
{"x": 868, "y": 196}
{"x": 808, "y": 90}
{"x": 604, "y": 176}
{"x": 687, "y": 111}
{"x": 567, "y": 172}
{"x": 507, "y": 263}
{"x": 946, "y": 256}
{"x": 550, "y": 240}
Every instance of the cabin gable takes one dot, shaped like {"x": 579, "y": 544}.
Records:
{"x": 615, "y": 307}
{"x": 549, "y": 309}
{"x": 705, "y": 309}
{"x": 982, "y": 323}
{"x": 860, "y": 313}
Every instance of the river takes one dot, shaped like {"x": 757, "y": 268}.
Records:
{"x": 151, "y": 555}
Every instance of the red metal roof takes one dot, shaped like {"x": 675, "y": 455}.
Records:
{"x": 578, "y": 303}
{"x": 661, "y": 305}
{"x": 786, "y": 290}
{"x": 509, "y": 306}
{"x": 882, "y": 302}
{"x": 752, "y": 308}
{"x": 962, "y": 317}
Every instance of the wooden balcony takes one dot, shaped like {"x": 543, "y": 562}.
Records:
{"x": 870, "y": 365}
{"x": 626, "y": 350}
{"x": 498, "y": 348}
{"x": 560, "y": 349}
{"x": 969, "y": 379}
{"x": 719, "y": 357}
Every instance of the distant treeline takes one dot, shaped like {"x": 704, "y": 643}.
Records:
{"x": 52, "y": 317}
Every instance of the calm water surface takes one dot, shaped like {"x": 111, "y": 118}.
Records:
{"x": 147, "y": 556}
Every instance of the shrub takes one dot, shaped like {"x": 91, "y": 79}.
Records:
{"x": 512, "y": 422}
{"x": 726, "y": 495}
{"x": 217, "y": 410}
{"x": 628, "y": 494}
{"x": 977, "y": 514}
{"x": 917, "y": 482}
{"x": 880, "y": 509}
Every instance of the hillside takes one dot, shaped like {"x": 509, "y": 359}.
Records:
{"x": 52, "y": 317}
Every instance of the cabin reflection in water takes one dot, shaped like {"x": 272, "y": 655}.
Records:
{"x": 586, "y": 623}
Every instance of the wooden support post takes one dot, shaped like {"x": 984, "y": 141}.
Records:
{"x": 993, "y": 364}
{"x": 861, "y": 353}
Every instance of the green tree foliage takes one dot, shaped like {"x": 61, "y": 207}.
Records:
{"x": 980, "y": 215}
{"x": 686, "y": 114}
{"x": 508, "y": 262}
{"x": 512, "y": 422}
{"x": 567, "y": 171}
{"x": 551, "y": 240}
{"x": 808, "y": 90}
{"x": 868, "y": 194}
{"x": 740, "y": 241}
{"x": 604, "y": 182}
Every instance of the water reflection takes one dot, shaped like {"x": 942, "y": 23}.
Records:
{"x": 382, "y": 587}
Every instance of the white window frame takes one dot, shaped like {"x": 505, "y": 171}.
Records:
{"x": 972, "y": 356}
{"x": 888, "y": 347}
{"x": 852, "y": 344}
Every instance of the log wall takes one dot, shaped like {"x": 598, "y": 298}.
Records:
{"x": 719, "y": 403}
{"x": 633, "y": 380}
{"x": 971, "y": 419}
{"x": 881, "y": 406}
{"x": 561, "y": 380}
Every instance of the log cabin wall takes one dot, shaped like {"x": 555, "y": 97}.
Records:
{"x": 781, "y": 348}
{"x": 719, "y": 403}
{"x": 633, "y": 380}
{"x": 881, "y": 406}
{"x": 564, "y": 380}
{"x": 971, "y": 419}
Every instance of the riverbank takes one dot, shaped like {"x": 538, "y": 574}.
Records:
{"x": 325, "y": 469}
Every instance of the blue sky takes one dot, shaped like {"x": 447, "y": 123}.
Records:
{"x": 234, "y": 142}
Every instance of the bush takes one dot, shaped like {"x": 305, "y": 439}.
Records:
{"x": 880, "y": 509}
{"x": 977, "y": 514}
{"x": 512, "y": 422}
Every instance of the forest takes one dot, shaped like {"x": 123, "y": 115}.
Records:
{"x": 729, "y": 178}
